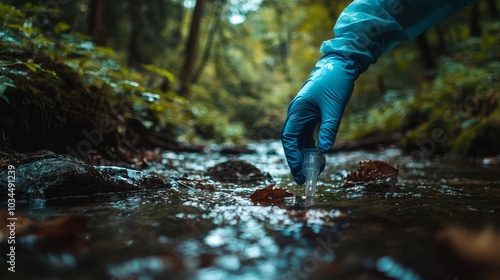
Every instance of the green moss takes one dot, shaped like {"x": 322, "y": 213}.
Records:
{"x": 462, "y": 103}
{"x": 48, "y": 113}
{"x": 480, "y": 139}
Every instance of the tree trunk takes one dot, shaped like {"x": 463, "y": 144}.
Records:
{"x": 443, "y": 47}
{"x": 190, "y": 53}
{"x": 283, "y": 41}
{"x": 492, "y": 7}
{"x": 97, "y": 21}
{"x": 475, "y": 28}
{"x": 332, "y": 14}
{"x": 423, "y": 45}
{"x": 134, "y": 45}
{"x": 210, "y": 41}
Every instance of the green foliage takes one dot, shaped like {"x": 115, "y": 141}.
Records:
{"x": 457, "y": 110}
{"x": 245, "y": 74}
{"x": 463, "y": 100}
{"x": 4, "y": 84}
{"x": 137, "y": 95}
{"x": 385, "y": 117}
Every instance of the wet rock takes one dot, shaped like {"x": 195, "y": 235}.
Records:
{"x": 207, "y": 185}
{"x": 55, "y": 177}
{"x": 236, "y": 150}
{"x": 237, "y": 171}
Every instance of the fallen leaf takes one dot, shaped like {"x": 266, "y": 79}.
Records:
{"x": 52, "y": 229}
{"x": 270, "y": 194}
{"x": 172, "y": 261}
{"x": 22, "y": 224}
{"x": 374, "y": 175}
{"x": 152, "y": 156}
{"x": 59, "y": 228}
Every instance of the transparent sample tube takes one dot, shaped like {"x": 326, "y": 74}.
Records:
{"x": 313, "y": 160}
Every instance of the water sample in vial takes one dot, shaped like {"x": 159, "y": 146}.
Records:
{"x": 313, "y": 160}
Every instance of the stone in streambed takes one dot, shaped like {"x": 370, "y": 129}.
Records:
{"x": 59, "y": 177}
{"x": 237, "y": 171}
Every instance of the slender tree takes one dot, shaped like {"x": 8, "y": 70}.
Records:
{"x": 97, "y": 21}
{"x": 423, "y": 45}
{"x": 283, "y": 40}
{"x": 212, "y": 34}
{"x": 474, "y": 26}
{"x": 441, "y": 37}
{"x": 493, "y": 9}
{"x": 138, "y": 24}
{"x": 191, "y": 48}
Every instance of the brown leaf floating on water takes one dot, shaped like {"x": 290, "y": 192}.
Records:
{"x": 22, "y": 224}
{"x": 374, "y": 175}
{"x": 52, "y": 229}
{"x": 270, "y": 194}
{"x": 59, "y": 228}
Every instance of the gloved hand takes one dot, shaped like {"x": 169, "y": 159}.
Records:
{"x": 364, "y": 30}
{"x": 322, "y": 98}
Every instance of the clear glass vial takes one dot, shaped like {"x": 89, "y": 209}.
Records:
{"x": 313, "y": 160}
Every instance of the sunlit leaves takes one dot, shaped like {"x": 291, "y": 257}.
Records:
{"x": 8, "y": 12}
{"x": 5, "y": 82}
{"x": 33, "y": 67}
{"x": 61, "y": 27}
{"x": 30, "y": 65}
{"x": 160, "y": 71}
{"x": 37, "y": 10}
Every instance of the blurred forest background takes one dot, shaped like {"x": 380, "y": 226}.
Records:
{"x": 190, "y": 71}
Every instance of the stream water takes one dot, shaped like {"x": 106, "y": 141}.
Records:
{"x": 190, "y": 233}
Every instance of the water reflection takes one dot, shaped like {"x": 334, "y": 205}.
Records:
{"x": 218, "y": 233}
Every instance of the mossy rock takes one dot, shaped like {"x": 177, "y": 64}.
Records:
{"x": 44, "y": 112}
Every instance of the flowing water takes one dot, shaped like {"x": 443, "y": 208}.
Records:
{"x": 193, "y": 233}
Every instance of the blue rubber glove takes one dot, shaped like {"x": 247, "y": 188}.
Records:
{"x": 323, "y": 97}
{"x": 364, "y": 30}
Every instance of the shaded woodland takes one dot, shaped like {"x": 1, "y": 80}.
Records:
{"x": 128, "y": 145}
{"x": 175, "y": 73}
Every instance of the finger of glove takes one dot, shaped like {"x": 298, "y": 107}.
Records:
{"x": 297, "y": 134}
{"x": 323, "y": 164}
{"x": 335, "y": 98}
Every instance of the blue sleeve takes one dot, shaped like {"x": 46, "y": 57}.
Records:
{"x": 368, "y": 28}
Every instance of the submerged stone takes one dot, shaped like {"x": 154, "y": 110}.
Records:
{"x": 62, "y": 177}
{"x": 234, "y": 171}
